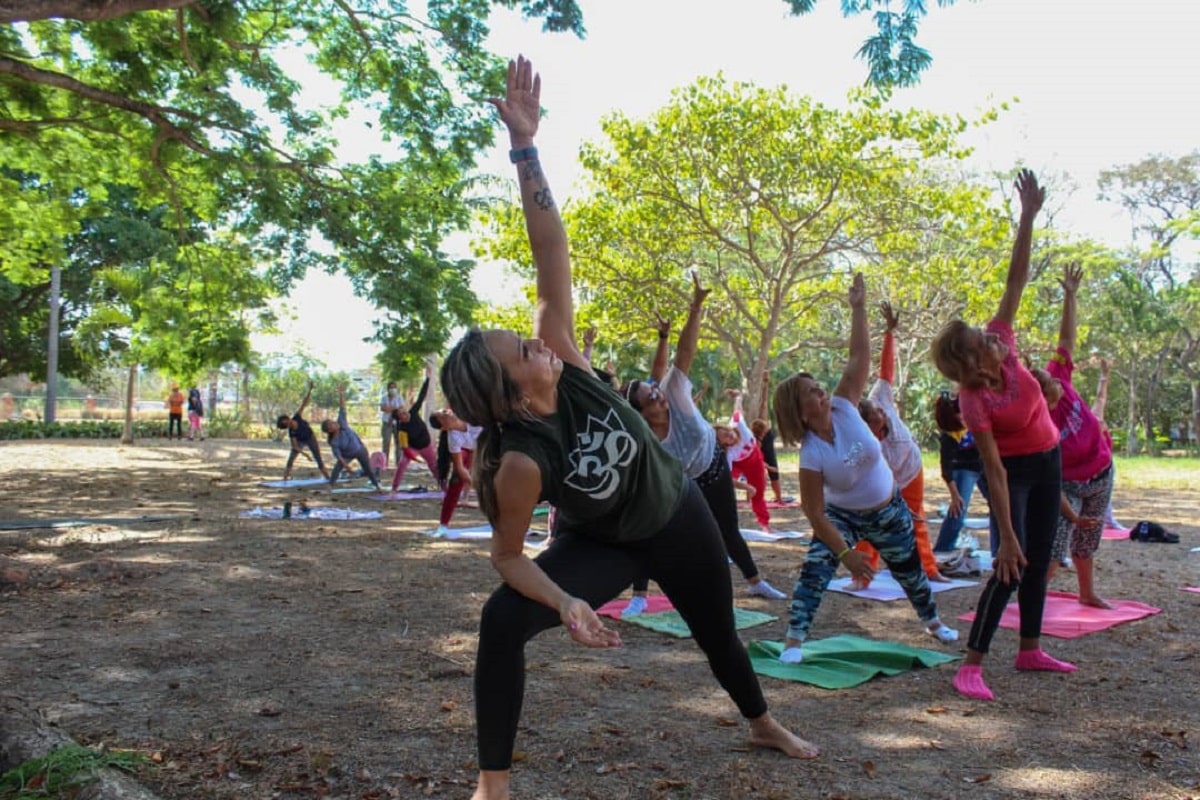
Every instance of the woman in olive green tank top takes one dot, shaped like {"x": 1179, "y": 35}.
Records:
{"x": 553, "y": 431}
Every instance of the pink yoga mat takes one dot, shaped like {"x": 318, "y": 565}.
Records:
{"x": 1195, "y": 589}
{"x": 1115, "y": 534}
{"x": 1067, "y": 618}
{"x": 770, "y": 504}
{"x": 654, "y": 604}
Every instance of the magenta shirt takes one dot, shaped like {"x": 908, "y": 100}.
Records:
{"x": 1017, "y": 415}
{"x": 1086, "y": 451}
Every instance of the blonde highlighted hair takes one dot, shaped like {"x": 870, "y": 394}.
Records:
{"x": 789, "y": 422}
{"x": 953, "y": 356}
{"x": 482, "y": 393}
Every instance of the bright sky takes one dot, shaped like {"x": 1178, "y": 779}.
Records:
{"x": 1100, "y": 84}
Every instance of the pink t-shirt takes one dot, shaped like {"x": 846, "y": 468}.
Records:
{"x": 1016, "y": 415}
{"x": 1086, "y": 451}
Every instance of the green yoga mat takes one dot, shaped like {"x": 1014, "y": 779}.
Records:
{"x": 669, "y": 622}
{"x": 840, "y": 662}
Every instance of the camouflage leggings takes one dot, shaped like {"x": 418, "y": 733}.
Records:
{"x": 890, "y": 529}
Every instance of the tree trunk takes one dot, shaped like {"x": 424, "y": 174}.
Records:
{"x": 1194, "y": 426}
{"x": 245, "y": 409}
{"x": 127, "y": 437}
{"x": 212, "y": 394}
{"x": 1131, "y": 414}
{"x": 52, "y": 346}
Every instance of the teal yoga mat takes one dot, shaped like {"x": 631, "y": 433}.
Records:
{"x": 670, "y": 623}
{"x": 840, "y": 662}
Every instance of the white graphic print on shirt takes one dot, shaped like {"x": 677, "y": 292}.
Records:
{"x": 603, "y": 447}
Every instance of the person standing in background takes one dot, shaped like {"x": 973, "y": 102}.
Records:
{"x": 389, "y": 404}
{"x": 174, "y": 405}
{"x": 960, "y": 466}
{"x": 195, "y": 407}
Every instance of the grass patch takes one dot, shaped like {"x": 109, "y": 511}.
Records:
{"x": 1134, "y": 473}
{"x": 61, "y": 770}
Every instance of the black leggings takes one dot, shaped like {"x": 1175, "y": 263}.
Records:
{"x": 685, "y": 558}
{"x": 722, "y": 500}
{"x": 313, "y": 448}
{"x": 1034, "y": 490}
{"x": 175, "y": 425}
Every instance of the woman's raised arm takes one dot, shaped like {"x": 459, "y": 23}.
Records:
{"x": 520, "y": 110}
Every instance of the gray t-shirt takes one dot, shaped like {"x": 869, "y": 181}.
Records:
{"x": 345, "y": 444}
{"x": 690, "y": 437}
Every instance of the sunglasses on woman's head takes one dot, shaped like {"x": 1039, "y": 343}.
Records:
{"x": 632, "y": 394}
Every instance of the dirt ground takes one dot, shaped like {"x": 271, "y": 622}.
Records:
{"x": 258, "y": 658}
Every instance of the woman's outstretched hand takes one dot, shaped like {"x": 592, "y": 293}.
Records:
{"x": 1072, "y": 277}
{"x": 890, "y": 316}
{"x": 585, "y": 626}
{"x": 699, "y": 293}
{"x": 857, "y": 296}
{"x": 1032, "y": 196}
{"x": 520, "y": 108}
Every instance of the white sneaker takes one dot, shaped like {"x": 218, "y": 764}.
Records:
{"x": 943, "y": 633}
{"x": 792, "y": 655}
{"x": 637, "y": 604}
{"x": 442, "y": 532}
{"x": 764, "y": 589}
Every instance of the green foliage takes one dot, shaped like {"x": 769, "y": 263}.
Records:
{"x": 280, "y": 391}
{"x": 79, "y": 429}
{"x": 775, "y": 228}
{"x": 197, "y": 109}
{"x": 892, "y": 54}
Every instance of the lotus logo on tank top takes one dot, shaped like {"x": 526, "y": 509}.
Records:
{"x": 604, "y": 447}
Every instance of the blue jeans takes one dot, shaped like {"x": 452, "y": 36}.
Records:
{"x": 890, "y": 529}
{"x": 964, "y": 481}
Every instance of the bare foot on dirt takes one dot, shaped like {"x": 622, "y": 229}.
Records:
{"x": 1095, "y": 601}
{"x": 766, "y": 732}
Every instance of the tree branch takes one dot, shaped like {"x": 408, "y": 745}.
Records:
{"x": 83, "y": 10}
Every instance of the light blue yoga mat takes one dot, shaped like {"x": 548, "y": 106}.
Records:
{"x": 840, "y": 662}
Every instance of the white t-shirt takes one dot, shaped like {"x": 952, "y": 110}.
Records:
{"x": 746, "y": 441}
{"x": 391, "y": 404}
{"x": 899, "y": 450}
{"x": 457, "y": 441}
{"x": 690, "y": 437}
{"x": 855, "y": 475}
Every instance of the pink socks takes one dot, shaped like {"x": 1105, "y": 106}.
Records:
{"x": 1038, "y": 660}
{"x": 968, "y": 682}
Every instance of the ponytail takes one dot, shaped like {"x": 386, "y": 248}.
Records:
{"x": 481, "y": 393}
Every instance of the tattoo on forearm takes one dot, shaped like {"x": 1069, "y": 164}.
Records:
{"x": 543, "y": 198}
{"x": 531, "y": 171}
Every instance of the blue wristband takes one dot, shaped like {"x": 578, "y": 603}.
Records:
{"x": 524, "y": 154}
